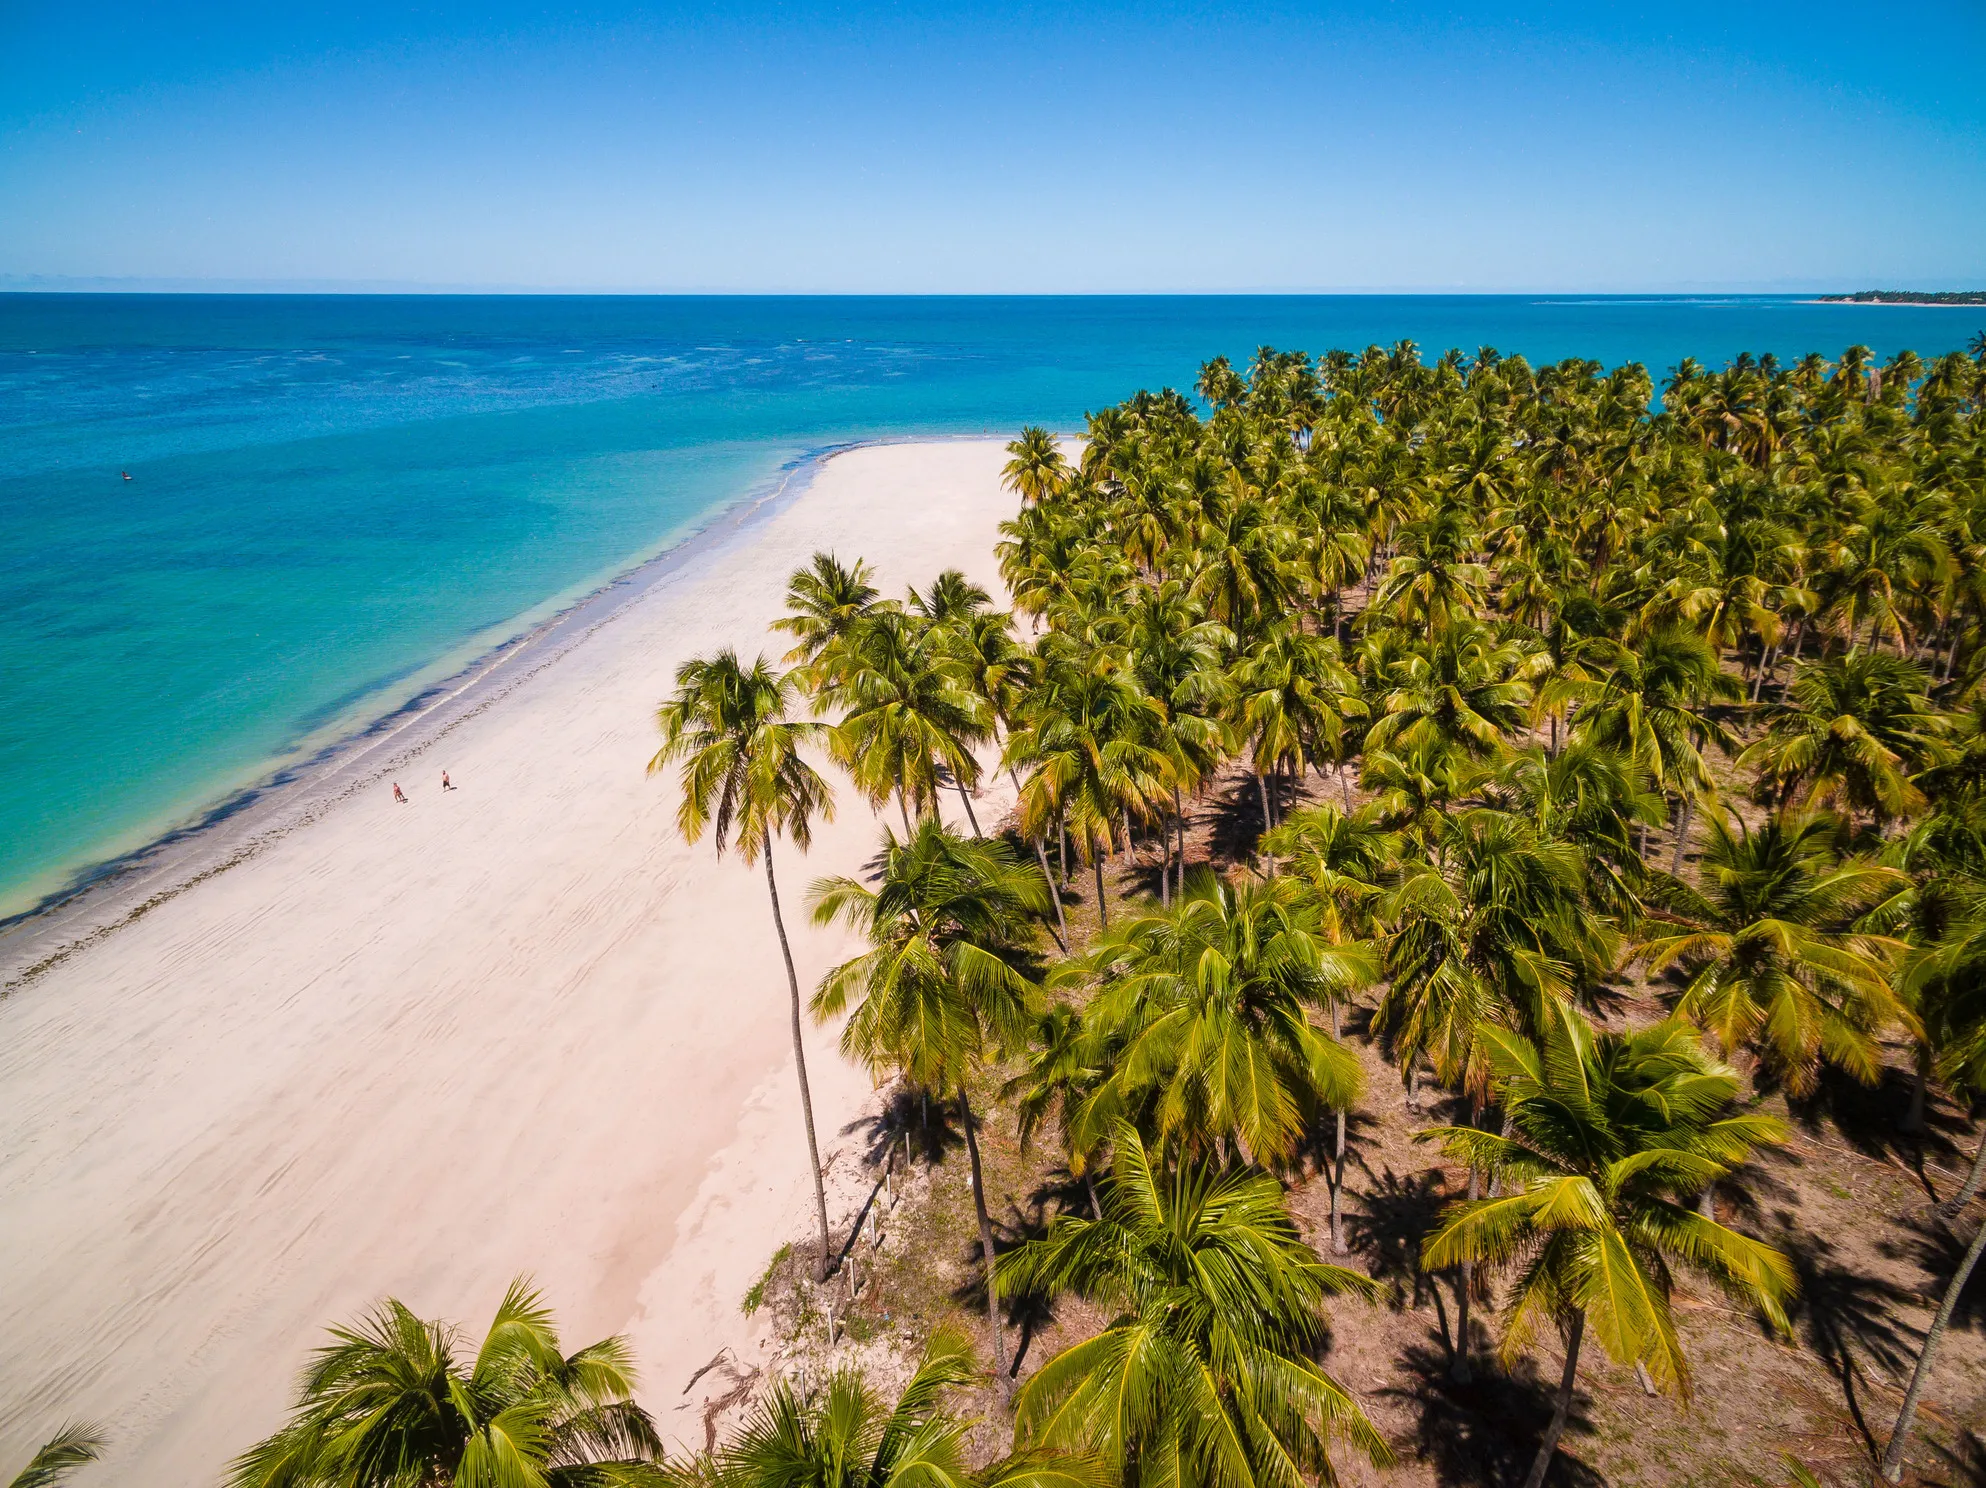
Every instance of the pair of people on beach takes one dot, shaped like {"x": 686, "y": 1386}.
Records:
{"x": 401, "y": 796}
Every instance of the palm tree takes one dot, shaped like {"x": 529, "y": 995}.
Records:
{"x": 1652, "y": 706}
{"x": 744, "y": 778}
{"x": 74, "y": 1446}
{"x": 1850, "y": 735}
{"x": 1464, "y": 688}
{"x": 827, "y": 600}
{"x": 1495, "y": 929}
{"x": 1415, "y": 784}
{"x": 1436, "y": 579}
{"x": 845, "y": 1436}
{"x": 390, "y": 1402}
{"x": 1339, "y": 864}
{"x": 1036, "y": 468}
{"x": 1088, "y": 744}
{"x": 910, "y": 720}
{"x": 1207, "y": 1007}
{"x": 1593, "y": 799}
{"x": 1495, "y": 926}
{"x": 1603, "y": 1131}
{"x": 1887, "y": 545}
{"x": 1773, "y": 963}
{"x": 1290, "y": 694}
{"x": 942, "y": 988}
{"x": 1175, "y": 655}
{"x": 1063, "y": 1065}
{"x": 1207, "y": 1373}
{"x": 1244, "y": 563}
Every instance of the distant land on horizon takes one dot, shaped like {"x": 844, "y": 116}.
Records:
{"x": 1908, "y": 297}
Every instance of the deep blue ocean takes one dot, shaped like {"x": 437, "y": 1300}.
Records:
{"x": 335, "y": 500}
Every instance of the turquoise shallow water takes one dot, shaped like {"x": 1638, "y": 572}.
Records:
{"x": 335, "y": 500}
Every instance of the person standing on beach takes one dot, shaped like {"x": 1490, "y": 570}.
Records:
{"x": 445, "y": 782}
{"x": 398, "y": 794}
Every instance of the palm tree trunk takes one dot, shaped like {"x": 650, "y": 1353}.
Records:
{"x": 965, "y": 799}
{"x": 1179, "y": 832}
{"x": 1337, "y": 1165}
{"x": 1062, "y": 836}
{"x": 800, "y": 1064}
{"x": 1959, "y": 1200}
{"x": 1262, "y": 787}
{"x": 1460, "y": 1371}
{"x": 1682, "y": 837}
{"x": 1900, "y": 1438}
{"x": 985, "y": 1245}
{"x": 1089, "y": 1185}
{"x": 1765, "y": 665}
{"x": 1102, "y": 908}
{"x": 1913, "y": 1118}
{"x": 1345, "y": 783}
{"x": 1562, "y": 1407}
{"x": 904, "y": 807}
{"x": 1041, "y": 857}
{"x": 1061, "y": 925}
{"x": 1706, "y": 1202}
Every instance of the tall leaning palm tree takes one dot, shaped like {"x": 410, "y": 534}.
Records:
{"x": 1604, "y": 1132}
{"x": 1207, "y": 1372}
{"x": 943, "y": 986}
{"x": 70, "y": 1448}
{"x": 744, "y": 780}
{"x": 390, "y": 1402}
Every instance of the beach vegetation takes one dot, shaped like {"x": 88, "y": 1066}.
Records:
{"x": 1605, "y": 755}
{"x": 745, "y": 778}
{"x": 1605, "y": 1133}
{"x": 74, "y": 1446}
{"x": 945, "y": 987}
{"x": 755, "y": 1294}
{"x": 845, "y": 1435}
{"x": 394, "y": 1400}
{"x": 1206, "y": 1371}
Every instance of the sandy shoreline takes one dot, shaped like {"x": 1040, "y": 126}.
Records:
{"x": 107, "y": 894}
{"x": 517, "y": 1027}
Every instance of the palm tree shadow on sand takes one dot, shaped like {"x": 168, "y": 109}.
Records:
{"x": 1486, "y": 1432}
{"x": 931, "y": 1126}
{"x": 1849, "y": 1319}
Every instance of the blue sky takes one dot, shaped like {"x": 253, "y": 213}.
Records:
{"x": 1058, "y": 147}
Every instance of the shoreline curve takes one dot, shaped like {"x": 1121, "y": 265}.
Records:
{"x": 102, "y": 897}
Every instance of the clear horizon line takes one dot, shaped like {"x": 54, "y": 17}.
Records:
{"x": 220, "y": 284}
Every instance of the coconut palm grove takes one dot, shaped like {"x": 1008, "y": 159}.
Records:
{"x": 1483, "y": 978}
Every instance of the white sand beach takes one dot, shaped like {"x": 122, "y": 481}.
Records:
{"x": 516, "y": 1027}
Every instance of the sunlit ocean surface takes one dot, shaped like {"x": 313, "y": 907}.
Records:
{"x": 334, "y": 501}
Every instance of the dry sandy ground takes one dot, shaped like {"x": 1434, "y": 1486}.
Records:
{"x": 416, "y": 1050}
